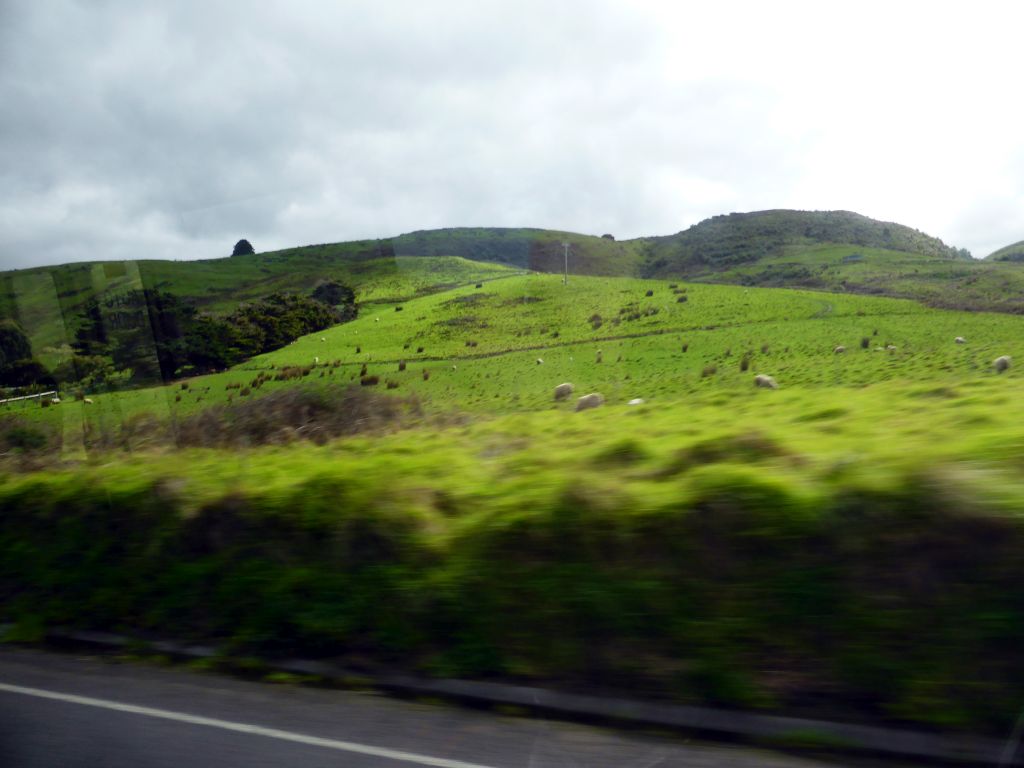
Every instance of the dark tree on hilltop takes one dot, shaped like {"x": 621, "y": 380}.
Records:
{"x": 243, "y": 248}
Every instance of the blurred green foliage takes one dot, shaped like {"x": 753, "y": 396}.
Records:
{"x": 741, "y": 559}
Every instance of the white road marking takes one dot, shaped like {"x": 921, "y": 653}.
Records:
{"x": 256, "y": 730}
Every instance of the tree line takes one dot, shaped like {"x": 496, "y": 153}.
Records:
{"x": 145, "y": 336}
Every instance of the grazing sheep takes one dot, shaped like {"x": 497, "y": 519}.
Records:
{"x": 1001, "y": 363}
{"x": 890, "y": 348}
{"x": 316, "y": 361}
{"x": 323, "y": 338}
{"x": 839, "y": 350}
{"x": 87, "y": 401}
{"x": 593, "y": 400}
{"x": 454, "y": 368}
{"x": 765, "y": 382}
{"x": 598, "y": 356}
{"x": 636, "y": 401}
{"x": 540, "y": 361}
{"x": 960, "y": 340}
{"x": 562, "y": 391}
{"x": 55, "y": 401}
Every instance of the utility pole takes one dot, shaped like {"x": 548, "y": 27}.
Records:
{"x": 565, "y": 280}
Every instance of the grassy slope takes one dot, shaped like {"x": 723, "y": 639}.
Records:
{"x": 769, "y": 248}
{"x": 48, "y": 300}
{"x": 955, "y": 284}
{"x": 788, "y": 334}
{"x": 813, "y": 250}
{"x": 725, "y": 241}
{"x": 843, "y": 551}
{"x": 843, "y": 493}
{"x": 540, "y": 250}
{"x": 1012, "y": 252}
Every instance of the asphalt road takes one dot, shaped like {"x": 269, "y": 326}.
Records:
{"x": 94, "y": 712}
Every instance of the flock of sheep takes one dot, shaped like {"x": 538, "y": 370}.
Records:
{"x": 762, "y": 381}
{"x": 594, "y": 399}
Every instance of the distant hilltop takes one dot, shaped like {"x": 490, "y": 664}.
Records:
{"x": 741, "y": 238}
{"x": 1014, "y": 252}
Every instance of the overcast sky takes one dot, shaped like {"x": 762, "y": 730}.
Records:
{"x": 128, "y": 130}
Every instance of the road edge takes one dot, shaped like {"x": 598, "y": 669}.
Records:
{"x": 765, "y": 730}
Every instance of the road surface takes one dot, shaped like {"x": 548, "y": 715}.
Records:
{"x": 79, "y": 711}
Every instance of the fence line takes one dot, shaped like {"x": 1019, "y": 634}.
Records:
{"x": 27, "y": 397}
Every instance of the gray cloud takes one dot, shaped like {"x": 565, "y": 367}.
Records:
{"x": 133, "y": 131}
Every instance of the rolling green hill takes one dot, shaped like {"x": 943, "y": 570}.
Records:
{"x": 47, "y": 301}
{"x": 476, "y": 350}
{"x": 722, "y": 242}
{"x": 849, "y": 541}
{"x": 837, "y": 251}
{"x": 834, "y": 251}
{"x": 1014, "y": 252}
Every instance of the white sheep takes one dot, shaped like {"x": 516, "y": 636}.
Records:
{"x": 765, "y": 382}
{"x": 890, "y": 348}
{"x": 1001, "y": 363}
{"x": 55, "y": 401}
{"x": 839, "y": 350}
{"x": 540, "y": 361}
{"x": 960, "y": 340}
{"x": 636, "y": 401}
{"x": 562, "y": 391}
{"x": 87, "y": 401}
{"x": 316, "y": 361}
{"x": 323, "y": 338}
{"x": 593, "y": 400}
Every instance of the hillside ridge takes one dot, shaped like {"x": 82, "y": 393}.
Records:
{"x": 1011, "y": 252}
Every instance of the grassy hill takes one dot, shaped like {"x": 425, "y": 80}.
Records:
{"x": 726, "y": 241}
{"x": 846, "y": 544}
{"x": 977, "y": 285}
{"x": 834, "y": 251}
{"x": 539, "y": 250}
{"x": 47, "y": 300}
{"x": 480, "y": 346}
{"x": 837, "y": 251}
{"x": 1014, "y": 252}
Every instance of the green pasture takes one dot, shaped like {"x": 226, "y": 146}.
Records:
{"x": 975, "y": 285}
{"x": 47, "y": 301}
{"x": 515, "y": 321}
{"x": 852, "y": 547}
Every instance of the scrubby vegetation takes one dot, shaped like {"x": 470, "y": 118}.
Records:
{"x": 155, "y": 336}
{"x": 746, "y": 556}
{"x": 406, "y": 489}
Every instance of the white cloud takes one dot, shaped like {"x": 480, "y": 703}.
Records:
{"x": 172, "y": 132}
